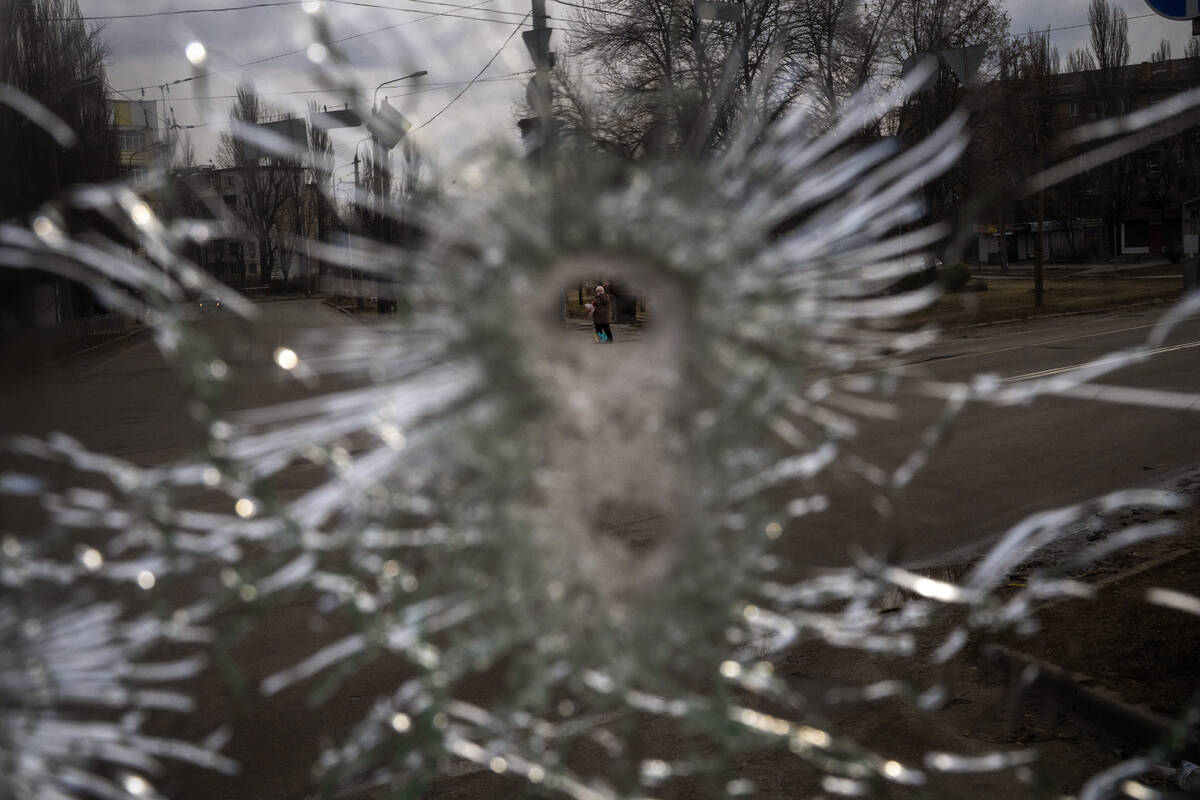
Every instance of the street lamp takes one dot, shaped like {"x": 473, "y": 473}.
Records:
{"x": 380, "y": 180}
{"x": 156, "y": 145}
{"x": 375, "y": 98}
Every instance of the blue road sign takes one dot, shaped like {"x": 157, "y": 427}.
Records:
{"x": 1175, "y": 9}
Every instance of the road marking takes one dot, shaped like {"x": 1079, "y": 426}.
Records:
{"x": 1129, "y": 395}
{"x": 1119, "y": 359}
{"x": 975, "y": 353}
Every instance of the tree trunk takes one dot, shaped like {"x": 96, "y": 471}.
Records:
{"x": 1038, "y": 255}
{"x": 1003, "y": 238}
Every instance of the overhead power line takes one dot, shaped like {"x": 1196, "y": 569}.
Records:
{"x": 255, "y": 62}
{"x": 280, "y": 4}
{"x": 609, "y": 11}
{"x": 425, "y": 88}
{"x": 474, "y": 80}
{"x": 427, "y": 15}
{"x": 1062, "y": 27}
{"x": 169, "y": 123}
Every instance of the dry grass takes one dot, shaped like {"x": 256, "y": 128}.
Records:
{"x": 1012, "y": 298}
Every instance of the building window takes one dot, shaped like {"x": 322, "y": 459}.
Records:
{"x": 230, "y": 200}
{"x": 1135, "y": 236}
{"x": 1073, "y": 110}
{"x": 129, "y": 140}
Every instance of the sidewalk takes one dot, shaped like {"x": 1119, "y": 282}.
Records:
{"x": 1150, "y": 268}
{"x": 1099, "y": 680}
{"x": 1096, "y": 682}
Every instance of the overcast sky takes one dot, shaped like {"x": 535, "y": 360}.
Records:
{"x": 146, "y": 53}
{"x": 403, "y": 37}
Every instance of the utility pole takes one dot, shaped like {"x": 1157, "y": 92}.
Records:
{"x": 357, "y": 196}
{"x": 379, "y": 180}
{"x": 1039, "y": 257}
{"x": 538, "y": 131}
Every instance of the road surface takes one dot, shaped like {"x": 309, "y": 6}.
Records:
{"x": 998, "y": 465}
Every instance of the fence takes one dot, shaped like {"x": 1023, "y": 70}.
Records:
{"x": 34, "y": 347}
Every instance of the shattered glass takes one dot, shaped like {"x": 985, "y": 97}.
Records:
{"x": 590, "y": 571}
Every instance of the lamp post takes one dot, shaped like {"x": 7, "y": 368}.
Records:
{"x": 375, "y": 98}
{"x": 377, "y": 152}
{"x": 380, "y": 169}
{"x": 156, "y": 145}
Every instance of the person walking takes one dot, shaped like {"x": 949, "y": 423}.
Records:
{"x": 601, "y": 315}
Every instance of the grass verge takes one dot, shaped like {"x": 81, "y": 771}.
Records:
{"x": 1012, "y": 299}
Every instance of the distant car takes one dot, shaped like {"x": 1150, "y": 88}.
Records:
{"x": 209, "y": 302}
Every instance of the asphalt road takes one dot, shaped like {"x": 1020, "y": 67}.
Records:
{"x": 998, "y": 465}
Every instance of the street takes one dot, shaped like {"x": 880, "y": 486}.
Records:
{"x": 998, "y": 465}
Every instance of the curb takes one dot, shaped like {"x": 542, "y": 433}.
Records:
{"x": 349, "y": 314}
{"x": 1101, "y": 706}
{"x": 1057, "y": 315}
{"x": 1089, "y": 698}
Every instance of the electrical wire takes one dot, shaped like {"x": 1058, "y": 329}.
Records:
{"x": 167, "y": 123}
{"x": 609, "y": 11}
{"x": 473, "y": 80}
{"x": 428, "y": 15}
{"x": 365, "y": 4}
{"x": 425, "y": 88}
{"x": 301, "y": 50}
{"x": 1061, "y": 28}
{"x": 614, "y": 12}
{"x": 355, "y": 3}
{"x": 274, "y": 4}
{"x": 372, "y": 32}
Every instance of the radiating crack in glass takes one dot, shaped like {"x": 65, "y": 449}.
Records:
{"x": 467, "y": 468}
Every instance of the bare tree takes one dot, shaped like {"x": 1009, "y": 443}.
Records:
{"x": 52, "y": 55}
{"x": 1110, "y": 46}
{"x": 183, "y": 150}
{"x": 1080, "y": 60}
{"x": 670, "y": 82}
{"x": 1013, "y": 123}
{"x": 1039, "y": 58}
{"x": 321, "y": 194}
{"x": 851, "y": 39}
{"x": 268, "y": 182}
{"x": 1163, "y": 53}
{"x": 1110, "y": 35}
{"x": 1039, "y": 65}
{"x": 1193, "y": 48}
{"x": 931, "y": 27}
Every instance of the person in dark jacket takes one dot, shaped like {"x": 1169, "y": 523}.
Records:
{"x": 601, "y": 315}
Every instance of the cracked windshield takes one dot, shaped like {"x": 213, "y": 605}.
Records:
{"x": 599, "y": 400}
